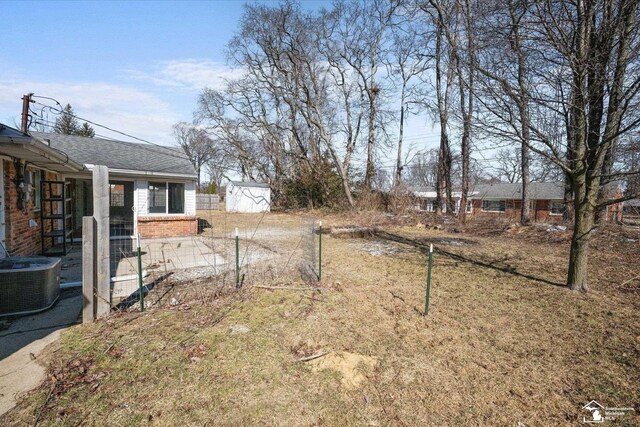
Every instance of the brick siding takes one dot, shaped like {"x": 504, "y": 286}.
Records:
{"x": 21, "y": 239}
{"x": 167, "y": 226}
{"x": 540, "y": 212}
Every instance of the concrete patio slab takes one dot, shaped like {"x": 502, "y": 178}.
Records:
{"x": 160, "y": 256}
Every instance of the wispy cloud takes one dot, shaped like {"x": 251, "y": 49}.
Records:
{"x": 144, "y": 103}
{"x": 141, "y": 113}
{"x": 186, "y": 74}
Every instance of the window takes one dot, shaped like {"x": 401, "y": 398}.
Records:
{"x": 493, "y": 205}
{"x": 166, "y": 197}
{"x": 176, "y": 198}
{"x": 428, "y": 205}
{"x": 556, "y": 207}
{"x": 157, "y": 197}
{"x": 36, "y": 179}
{"x": 116, "y": 193}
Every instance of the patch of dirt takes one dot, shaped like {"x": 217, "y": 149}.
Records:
{"x": 377, "y": 248}
{"x": 351, "y": 232}
{"x": 351, "y": 366}
{"x": 454, "y": 241}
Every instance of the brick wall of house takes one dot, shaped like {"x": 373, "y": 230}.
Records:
{"x": 539, "y": 213}
{"x": 167, "y": 226}
{"x": 614, "y": 211}
{"x": 21, "y": 238}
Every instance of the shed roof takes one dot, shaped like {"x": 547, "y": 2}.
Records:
{"x": 251, "y": 184}
{"x": 126, "y": 156}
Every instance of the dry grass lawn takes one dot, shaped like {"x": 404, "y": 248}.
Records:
{"x": 499, "y": 346}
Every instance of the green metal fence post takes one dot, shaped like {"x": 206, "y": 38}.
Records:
{"x": 140, "y": 284}
{"x": 237, "y": 260}
{"x": 426, "y": 302}
{"x": 320, "y": 252}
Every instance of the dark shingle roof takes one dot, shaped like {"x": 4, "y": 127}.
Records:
{"x": 537, "y": 191}
{"x": 7, "y": 132}
{"x": 119, "y": 154}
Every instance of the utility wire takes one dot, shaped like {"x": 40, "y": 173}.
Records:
{"x": 60, "y": 110}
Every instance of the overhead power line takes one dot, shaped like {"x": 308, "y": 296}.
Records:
{"x": 60, "y": 110}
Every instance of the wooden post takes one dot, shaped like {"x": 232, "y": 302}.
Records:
{"x": 88, "y": 269}
{"x": 101, "y": 215}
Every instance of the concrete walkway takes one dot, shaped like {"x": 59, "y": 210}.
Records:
{"x": 21, "y": 372}
{"x": 24, "y": 340}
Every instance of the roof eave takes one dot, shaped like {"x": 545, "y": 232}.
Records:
{"x": 45, "y": 157}
{"x": 139, "y": 173}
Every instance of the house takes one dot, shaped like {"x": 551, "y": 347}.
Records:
{"x": 48, "y": 189}
{"x": 504, "y": 200}
{"x": 24, "y": 163}
{"x": 247, "y": 197}
{"x": 152, "y": 188}
{"x": 631, "y": 209}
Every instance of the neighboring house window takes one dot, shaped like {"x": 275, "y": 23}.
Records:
{"x": 556, "y": 208}
{"x": 493, "y": 205}
{"x": 166, "y": 197}
{"x": 469, "y": 206}
{"x": 117, "y": 194}
{"x": 428, "y": 205}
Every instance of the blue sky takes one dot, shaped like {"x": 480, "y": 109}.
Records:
{"x": 134, "y": 66}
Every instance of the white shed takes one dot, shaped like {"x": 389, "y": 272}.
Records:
{"x": 248, "y": 197}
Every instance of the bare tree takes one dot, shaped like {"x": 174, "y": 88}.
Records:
{"x": 364, "y": 26}
{"x": 443, "y": 23}
{"x": 196, "y": 144}
{"x": 280, "y": 117}
{"x": 508, "y": 165}
{"x": 423, "y": 169}
{"x": 408, "y": 58}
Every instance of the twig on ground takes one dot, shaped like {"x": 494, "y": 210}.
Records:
{"x": 44, "y": 405}
{"x": 110, "y": 347}
{"x": 286, "y": 288}
{"x": 628, "y": 281}
{"x": 313, "y": 356}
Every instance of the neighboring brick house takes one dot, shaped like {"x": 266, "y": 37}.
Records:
{"x": 152, "y": 188}
{"x": 503, "y": 200}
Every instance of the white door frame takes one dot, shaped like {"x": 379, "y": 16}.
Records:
{"x": 3, "y": 226}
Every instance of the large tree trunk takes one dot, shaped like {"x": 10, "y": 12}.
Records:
{"x": 607, "y": 168}
{"x": 578, "y": 256}
{"x": 398, "y": 177}
{"x": 525, "y": 211}
{"x": 443, "y": 177}
{"x": 371, "y": 132}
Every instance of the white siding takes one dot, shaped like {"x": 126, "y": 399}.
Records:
{"x": 190, "y": 198}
